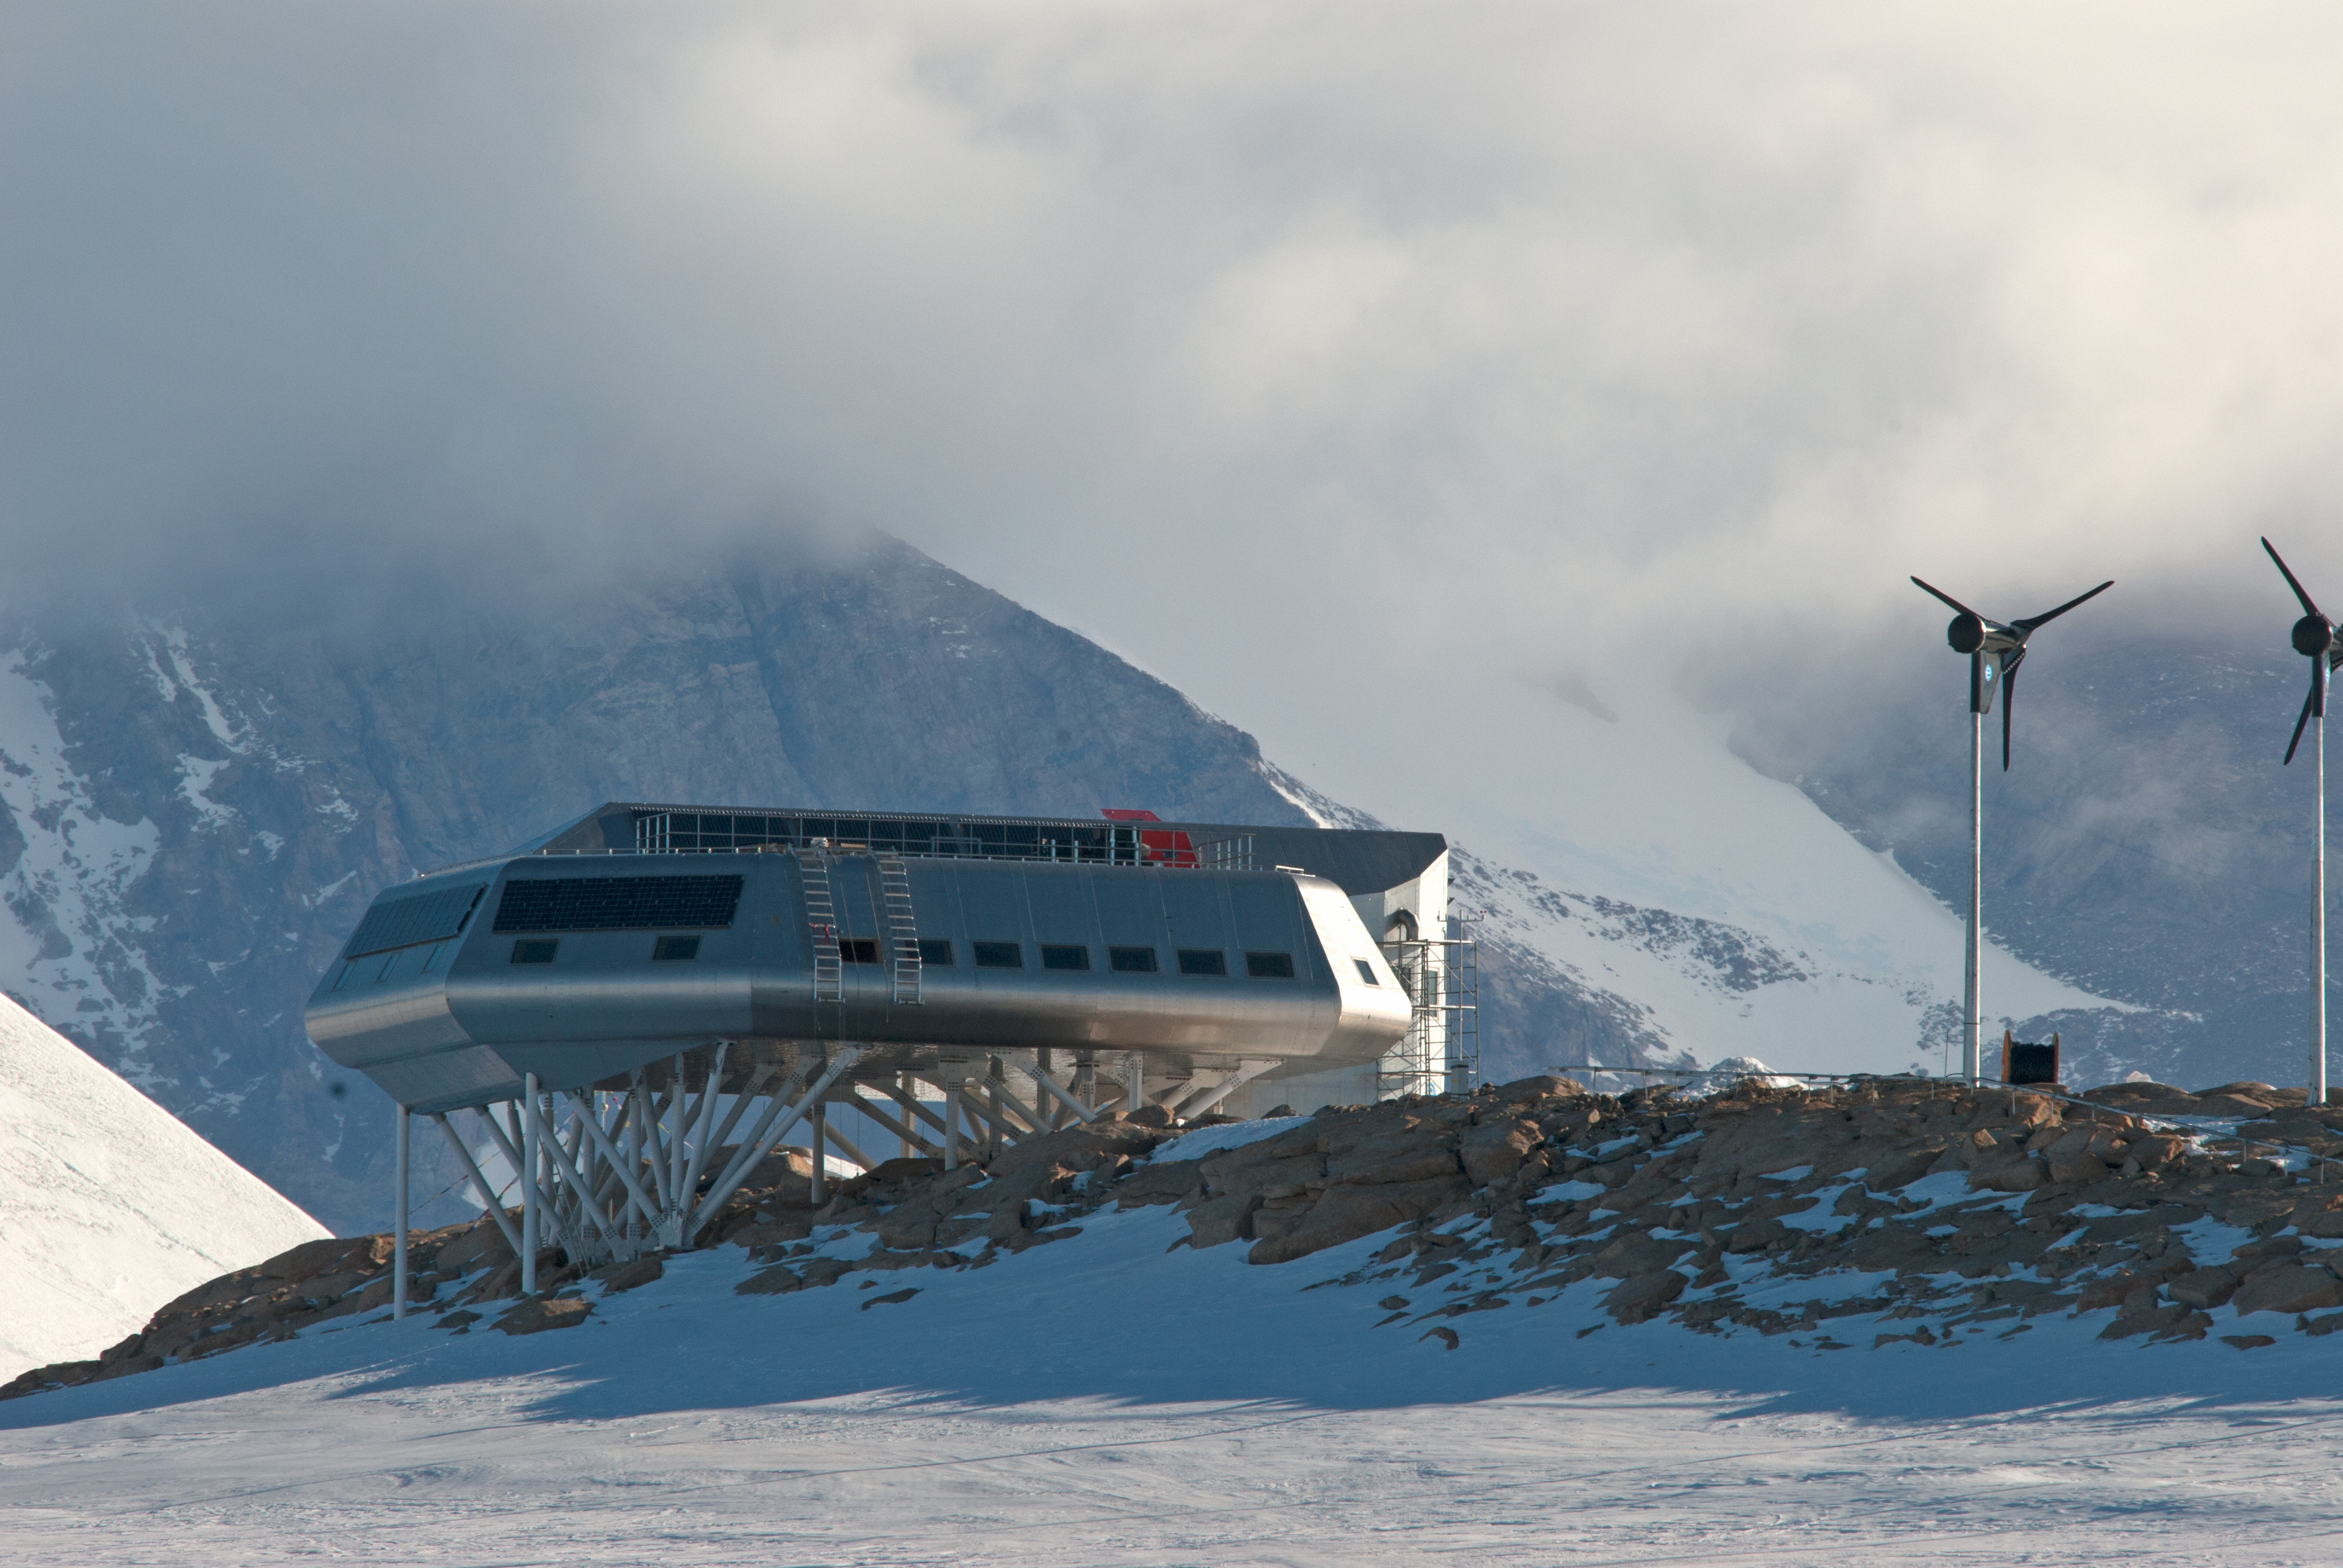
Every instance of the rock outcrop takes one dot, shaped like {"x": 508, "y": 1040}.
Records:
{"x": 2025, "y": 1203}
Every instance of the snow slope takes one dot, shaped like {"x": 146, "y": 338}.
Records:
{"x": 1104, "y": 1400}
{"x": 109, "y": 1206}
{"x": 1639, "y": 855}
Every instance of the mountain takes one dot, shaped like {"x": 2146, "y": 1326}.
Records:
{"x": 197, "y": 799}
{"x": 113, "y": 1206}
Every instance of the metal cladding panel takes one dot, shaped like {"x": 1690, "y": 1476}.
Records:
{"x": 602, "y": 1004}
{"x": 446, "y": 1079}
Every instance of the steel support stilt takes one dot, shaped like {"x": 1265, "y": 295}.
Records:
{"x": 399, "y": 1222}
{"x": 818, "y": 1124}
{"x": 529, "y": 1204}
{"x": 952, "y": 1115}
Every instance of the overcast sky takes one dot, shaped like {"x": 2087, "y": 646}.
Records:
{"x": 1275, "y": 345}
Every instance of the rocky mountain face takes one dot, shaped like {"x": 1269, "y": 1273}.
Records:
{"x": 2146, "y": 843}
{"x": 197, "y": 804}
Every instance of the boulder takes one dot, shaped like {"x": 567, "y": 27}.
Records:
{"x": 1900, "y": 1167}
{"x": 2077, "y": 1168}
{"x": 1346, "y": 1213}
{"x": 2288, "y": 1288}
{"x": 480, "y": 1246}
{"x": 1642, "y": 1296}
{"x": 2204, "y": 1289}
{"x": 537, "y": 1314}
{"x": 2019, "y": 1175}
{"x": 1495, "y": 1150}
{"x": 617, "y": 1277}
{"x": 1174, "y": 1182}
{"x": 1632, "y": 1255}
{"x": 1228, "y": 1218}
{"x": 1542, "y": 1086}
{"x": 1415, "y": 1154}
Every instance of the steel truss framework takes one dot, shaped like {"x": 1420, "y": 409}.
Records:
{"x": 618, "y": 1168}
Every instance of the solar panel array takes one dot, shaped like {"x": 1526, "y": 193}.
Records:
{"x": 617, "y": 903}
{"x": 432, "y": 917}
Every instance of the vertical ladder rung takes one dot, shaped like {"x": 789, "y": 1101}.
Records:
{"x": 902, "y": 928}
{"x": 821, "y": 922}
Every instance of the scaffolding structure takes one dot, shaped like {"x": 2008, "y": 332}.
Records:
{"x": 1441, "y": 1052}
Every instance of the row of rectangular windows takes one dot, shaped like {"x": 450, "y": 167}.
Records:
{"x": 938, "y": 952}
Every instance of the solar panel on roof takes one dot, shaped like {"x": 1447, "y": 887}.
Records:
{"x": 617, "y": 903}
{"x": 430, "y": 917}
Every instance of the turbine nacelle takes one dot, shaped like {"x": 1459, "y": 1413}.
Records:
{"x": 1995, "y": 649}
{"x": 2314, "y": 634}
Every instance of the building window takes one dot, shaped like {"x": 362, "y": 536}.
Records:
{"x": 1366, "y": 971}
{"x": 534, "y": 950}
{"x": 998, "y": 955}
{"x": 858, "y": 950}
{"x": 1269, "y": 966}
{"x": 1204, "y": 962}
{"x": 1064, "y": 957}
{"x": 675, "y": 949}
{"x": 935, "y": 953}
{"x": 1131, "y": 960}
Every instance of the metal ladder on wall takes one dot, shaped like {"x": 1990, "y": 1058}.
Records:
{"x": 902, "y": 929}
{"x": 821, "y": 920}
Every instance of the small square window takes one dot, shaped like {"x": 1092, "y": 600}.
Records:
{"x": 1065, "y": 956}
{"x": 998, "y": 955}
{"x": 1269, "y": 966}
{"x": 858, "y": 950}
{"x": 1366, "y": 971}
{"x": 1131, "y": 960}
{"x": 535, "y": 950}
{"x": 935, "y": 953}
{"x": 1204, "y": 962}
{"x": 675, "y": 949}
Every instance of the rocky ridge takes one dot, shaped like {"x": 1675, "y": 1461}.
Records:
{"x": 1919, "y": 1212}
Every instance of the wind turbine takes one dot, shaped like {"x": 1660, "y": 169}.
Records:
{"x": 2313, "y": 638}
{"x": 1995, "y": 650}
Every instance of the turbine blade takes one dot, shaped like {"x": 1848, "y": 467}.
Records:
{"x": 1948, "y": 598}
{"x": 2307, "y": 704}
{"x": 2307, "y": 608}
{"x": 2318, "y": 687}
{"x": 2027, "y": 626}
{"x": 2008, "y": 705}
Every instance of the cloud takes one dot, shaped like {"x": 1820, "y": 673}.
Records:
{"x": 1530, "y": 340}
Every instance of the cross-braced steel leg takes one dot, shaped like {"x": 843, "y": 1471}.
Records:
{"x": 489, "y": 1200}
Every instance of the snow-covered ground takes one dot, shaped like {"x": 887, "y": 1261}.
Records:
{"x": 109, "y": 1207}
{"x": 1104, "y": 1400}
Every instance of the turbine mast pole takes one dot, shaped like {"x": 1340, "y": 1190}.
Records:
{"x": 2314, "y": 1082}
{"x": 1972, "y": 1001}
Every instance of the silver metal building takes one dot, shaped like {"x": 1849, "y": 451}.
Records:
{"x": 641, "y": 1006}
